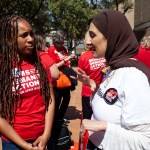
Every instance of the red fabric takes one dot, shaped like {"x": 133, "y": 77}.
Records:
{"x": 83, "y": 140}
{"x": 30, "y": 117}
{"x": 143, "y": 56}
{"x": 92, "y": 67}
{"x": 47, "y": 63}
{"x": 57, "y": 55}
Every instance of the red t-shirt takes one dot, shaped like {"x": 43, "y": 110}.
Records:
{"x": 143, "y": 56}
{"x": 46, "y": 60}
{"x": 30, "y": 117}
{"x": 92, "y": 67}
{"x": 57, "y": 55}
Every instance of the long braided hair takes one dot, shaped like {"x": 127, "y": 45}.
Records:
{"x": 9, "y": 61}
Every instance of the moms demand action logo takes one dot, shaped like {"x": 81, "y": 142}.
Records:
{"x": 28, "y": 80}
{"x": 96, "y": 63}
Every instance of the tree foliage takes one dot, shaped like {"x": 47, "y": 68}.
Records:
{"x": 71, "y": 17}
{"x": 36, "y": 11}
{"x": 122, "y": 5}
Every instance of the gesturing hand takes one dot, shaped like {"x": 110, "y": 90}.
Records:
{"x": 82, "y": 77}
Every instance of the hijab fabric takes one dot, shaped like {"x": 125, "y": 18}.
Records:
{"x": 121, "y": 41}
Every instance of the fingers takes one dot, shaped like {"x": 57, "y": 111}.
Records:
{"x": 82, "y": 131}
{"x": 73, "y": 77}
{"x": 81, "y": 71}
{"x": 72, "y": 55}
{"x": 35, "y": 143}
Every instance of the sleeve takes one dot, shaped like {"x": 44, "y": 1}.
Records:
{"x": 47, "y": 62}
{"x": 51, "y": 53}
{"x": 136, "y": 103}
{"x": 118, "y": 138}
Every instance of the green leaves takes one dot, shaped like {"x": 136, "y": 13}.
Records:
{"x": 122, "y": 5}
{"x": 71, "y": 17}
{"x": 36, "y": 11}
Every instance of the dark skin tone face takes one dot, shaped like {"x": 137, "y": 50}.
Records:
{"x": 58, "y": 45}
{"x": 25, "y": 39}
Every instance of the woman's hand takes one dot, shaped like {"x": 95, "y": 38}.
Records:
{"x": 93, "y": 125}
{"x": 68, "y": 58}
{"x": 82, "y": 77}
{"x": 40, "y": 143}
{"x": 30, "y": 147}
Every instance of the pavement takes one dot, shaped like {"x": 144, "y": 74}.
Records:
{"x": 73, "y": 115}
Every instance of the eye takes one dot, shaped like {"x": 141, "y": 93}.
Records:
{"x": 23, "y": 35}
{"x": 92, "y": 34}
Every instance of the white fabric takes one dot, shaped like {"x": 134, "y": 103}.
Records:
{"x": 129, "y": 118}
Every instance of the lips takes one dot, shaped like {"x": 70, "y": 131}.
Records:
{"x": 29, "y": 47}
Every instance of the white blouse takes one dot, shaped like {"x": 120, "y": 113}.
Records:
{"x": 128, "y": 114}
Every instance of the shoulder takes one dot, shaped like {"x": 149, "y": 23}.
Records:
{"x": 44, "y": 55}
{"x": 51, "y": 48}
{"x": 141, "y": 52}
{"x": 131, "y": 75}
{"x": 46, "y": 59}
{"x": 129, "y": 71}
{"x": 86, "y": 55}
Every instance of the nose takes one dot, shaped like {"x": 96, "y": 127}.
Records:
{"x": 30, "y": 39}
{"x": 88, "y": 41}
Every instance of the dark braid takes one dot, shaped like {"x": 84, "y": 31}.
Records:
{"x": 9, "y": 61}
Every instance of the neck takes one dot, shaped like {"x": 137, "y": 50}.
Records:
{"x": 23, "y": 58}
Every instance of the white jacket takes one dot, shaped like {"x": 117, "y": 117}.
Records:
{"x": 128, "y": 118}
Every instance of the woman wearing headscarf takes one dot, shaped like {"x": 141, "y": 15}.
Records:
{"x": 121, "y": 105}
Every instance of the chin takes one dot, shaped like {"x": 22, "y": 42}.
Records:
{"x": 28, "y": 52}
{"x": 95, "y": 55}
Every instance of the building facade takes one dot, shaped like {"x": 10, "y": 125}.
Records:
{"x": 141, "y": 17}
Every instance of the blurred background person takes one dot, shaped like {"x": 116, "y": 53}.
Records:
{"x": 144, "y": 49}
{"x": 92, "y": 67}
{"x": 59, "y": 55}
{"x": 40, "y": 45}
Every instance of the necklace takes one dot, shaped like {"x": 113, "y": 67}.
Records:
{"x": 109, "y": 77}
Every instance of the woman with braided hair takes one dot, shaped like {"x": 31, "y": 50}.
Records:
{"x": 27, "y": 100}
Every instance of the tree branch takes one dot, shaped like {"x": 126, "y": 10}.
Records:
{"x": 117, "y": 4}
{"x": 38, "y": 10}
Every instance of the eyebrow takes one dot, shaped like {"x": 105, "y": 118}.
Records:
{"x": 24, "y": 32}
{"x": 19, "y": 34}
